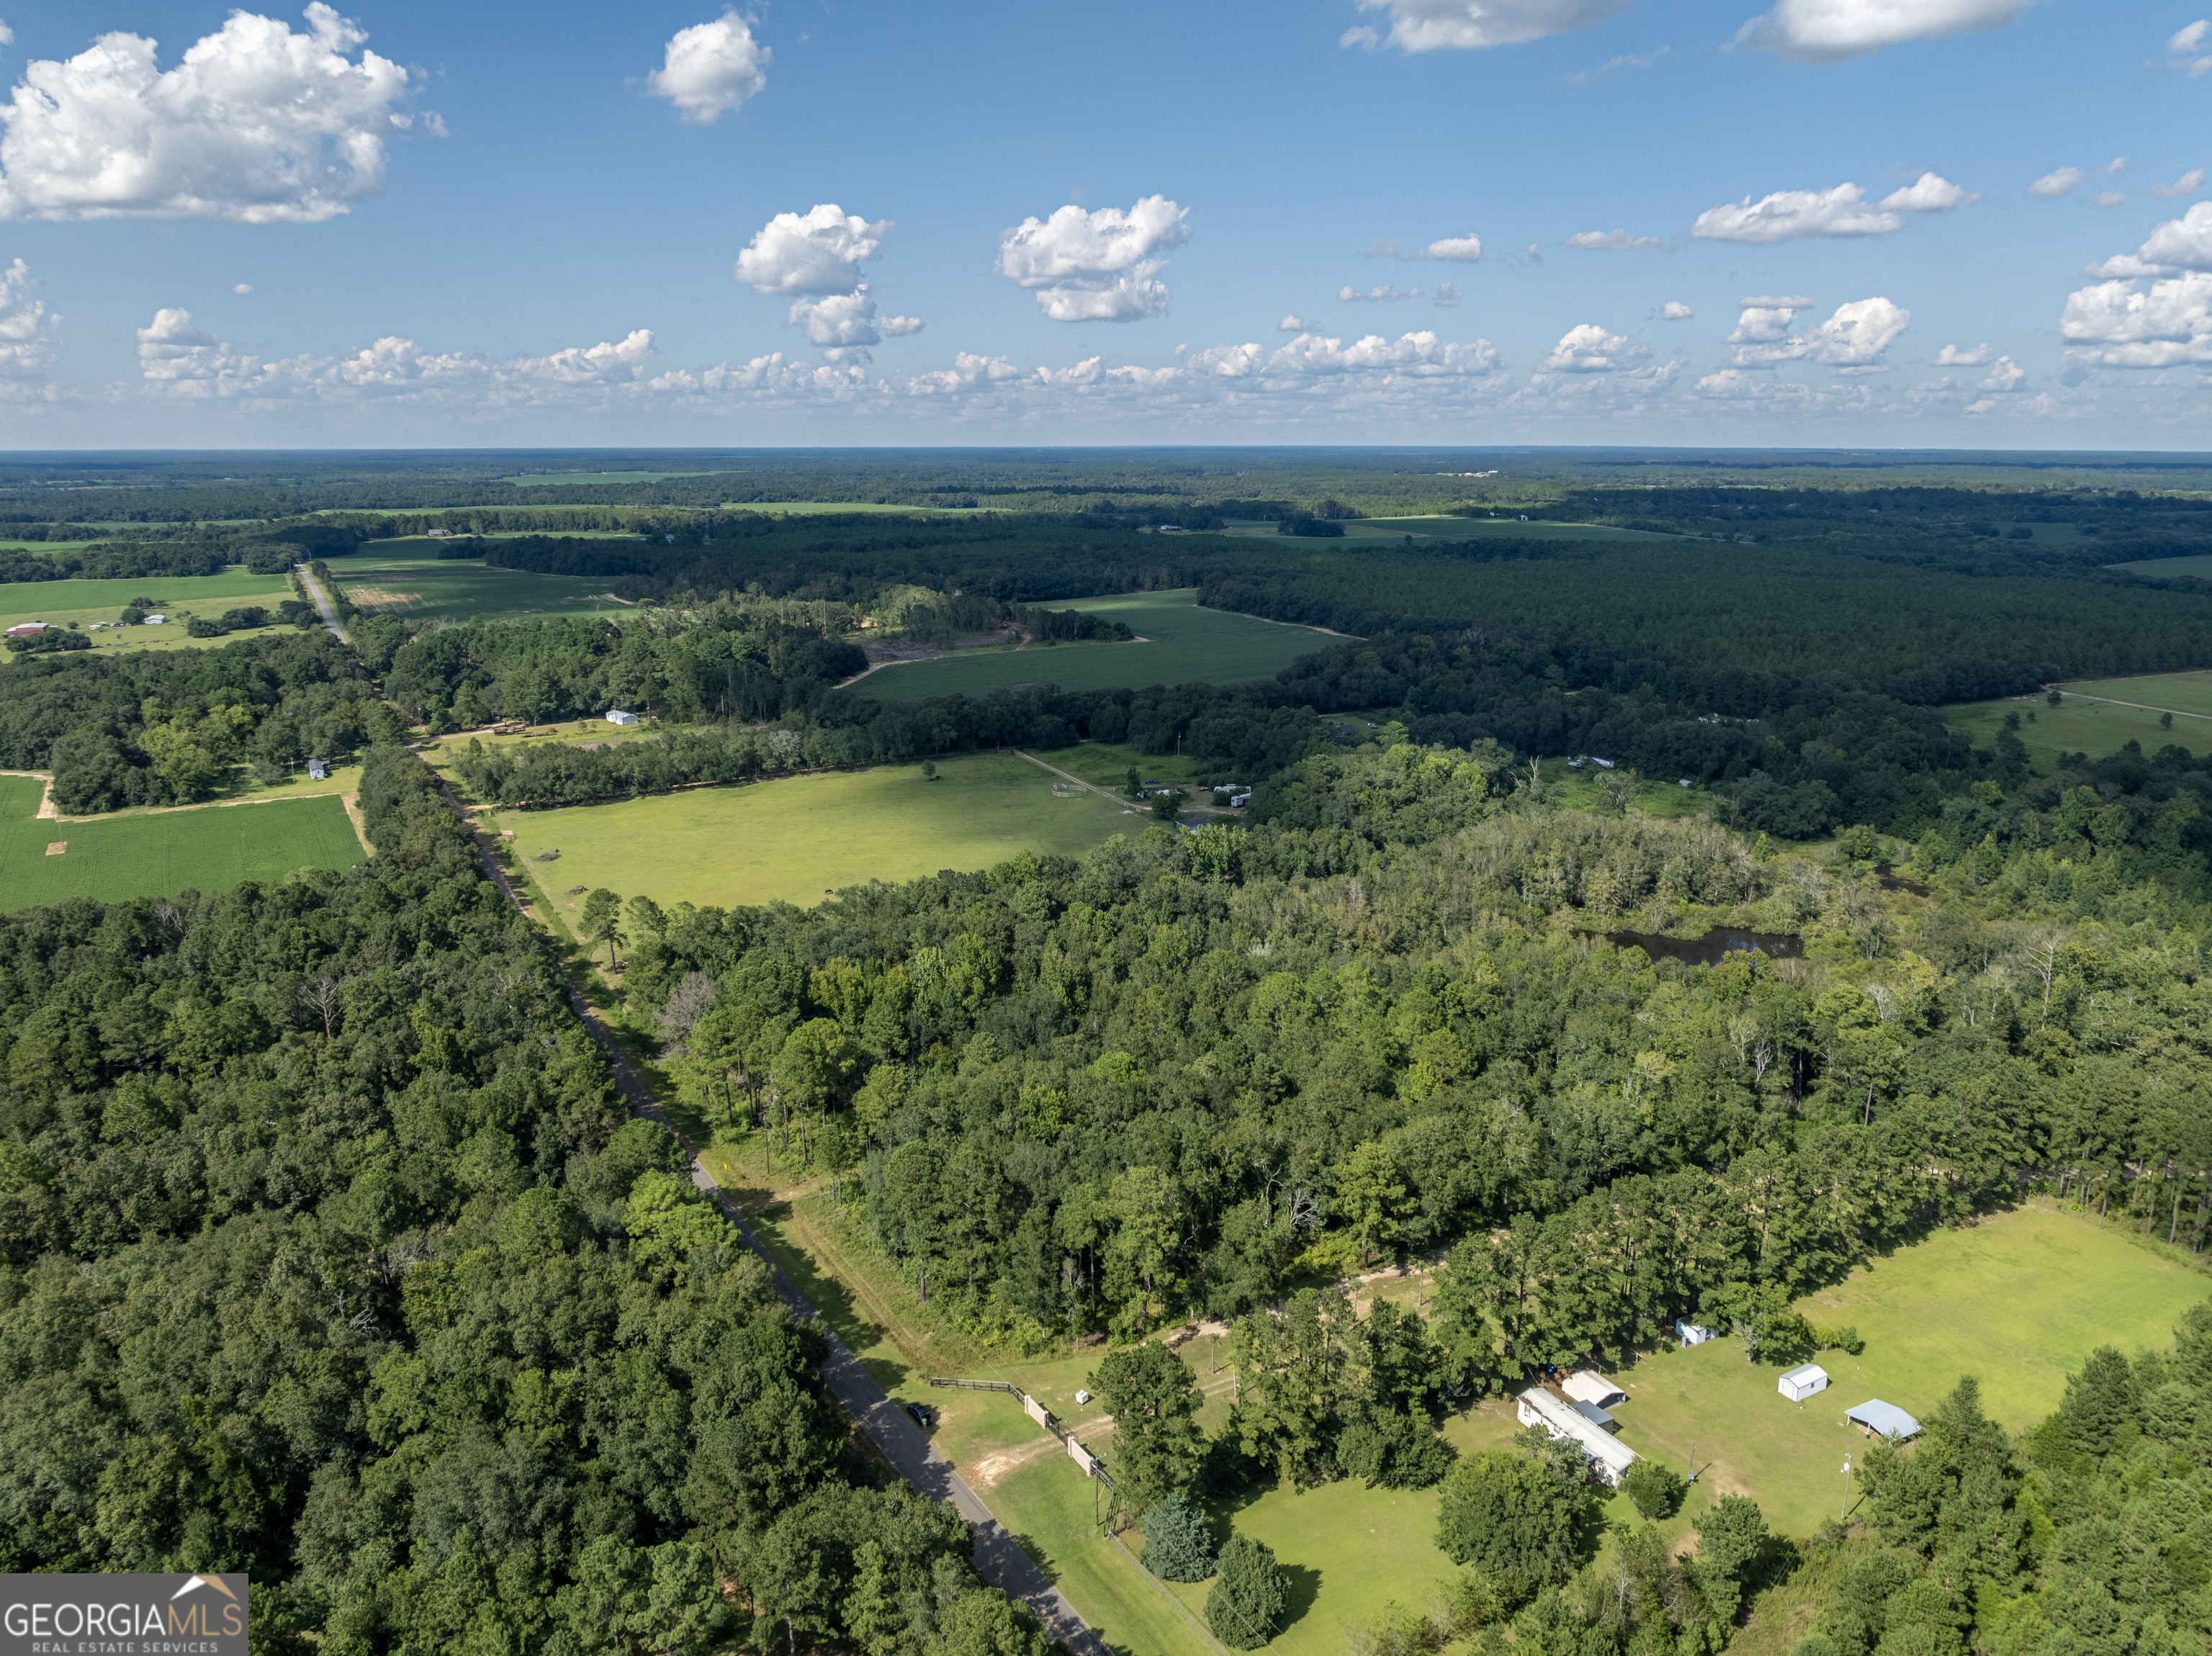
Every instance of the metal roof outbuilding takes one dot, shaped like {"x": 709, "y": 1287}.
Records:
{"x": 1887, "y": 1418}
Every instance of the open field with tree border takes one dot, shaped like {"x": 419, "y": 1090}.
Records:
{"x": 1184, "y": 645}
{"x": 408, "y": 578}
{"x": 61, "y": 602}
{"x": 797, "y": 837}
{"x": 158, "y": 853}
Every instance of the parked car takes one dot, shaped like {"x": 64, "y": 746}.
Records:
{"x": 919, "y": 1413}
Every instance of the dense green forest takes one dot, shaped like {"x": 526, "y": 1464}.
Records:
{"x": 1161, "y": 1080}
{"x": 326, "y": 1255}
{"x": 156, "y": 728}
{"x": 745, "y": 660}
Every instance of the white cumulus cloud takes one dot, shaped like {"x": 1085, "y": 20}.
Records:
{"x": 710, "y": 69}
{"x": 1453, "y": 250}
{"x": 1293, "y": 323}
{"x": 1830, "y": 31}
{"x": 29, "y": 331}
{"x": 241, "y": 287}
{"x": 1674, "y": 310}
{"x": 2187, "y": 184}
{"x": 1792, "y": 215}
{"x": 1854, "y": 337}
{"x": 2120, "y": 325}
{"x": 846, "y": 325}
{"x": 817, "y": 252}
{"x": 1929, "y": 193}
{"x": 256, "y": 124}
{"x": 1952, "y": 357}
{"x": 2005, "y": 375}
{"x": 1589, "y": 348}
{"x": 1469, "y": 25}
{"x": 1384, "y": 295}
{"x": 1611, "y": 239}
{"x": 2052, "y": 185}
{"x": 178, "y": 360}
{"x": 2185, "y": 45}
{"x": 1101, "y": 266}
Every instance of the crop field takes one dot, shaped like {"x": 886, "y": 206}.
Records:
{"x": 1185, "y": 645}
{"x": 408, "y": 578}
{"x": 795, "y": 840}
{"x": 158, "y": 853}
{"x": 2017, "y": 1301}
{"x": 2099, "y": 717}
{"x": 1507, "y": 525}
{"x": 87, "y": 601}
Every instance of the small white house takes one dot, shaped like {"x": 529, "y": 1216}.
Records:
{"x": 1588, "y": 1386}
{"x": 619, "y": 717}
{"x": 1801, "y": 1382}
{"x": 318, "y": 770}
{"x": 1691, "y": 1334}
{"x": 155, "y": 620}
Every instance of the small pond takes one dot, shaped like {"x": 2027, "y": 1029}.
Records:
{"x": 1892, "y": 881}
{"x": 1715, "y": 945}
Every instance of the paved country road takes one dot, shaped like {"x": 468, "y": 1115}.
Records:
{"x": 330, "y": 616}
{"x": 999, "y": 1559}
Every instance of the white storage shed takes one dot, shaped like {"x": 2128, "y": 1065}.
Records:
{"x": 1691, "y": 1334}
{"x": 619, "y": 717}
{"x": 1801, "y": 1382}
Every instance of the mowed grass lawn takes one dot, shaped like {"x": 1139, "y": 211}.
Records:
{"x": 408, "y": 578}
{"x": 157, "y": 854}
{"x": 2018, "y": 1300}
{"x": 61, "y": 602}
{"x": 795, "y": 840}
{"x": 1186, "y": 645}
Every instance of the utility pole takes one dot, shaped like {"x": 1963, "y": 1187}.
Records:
{"x": 1844, "y": 1511}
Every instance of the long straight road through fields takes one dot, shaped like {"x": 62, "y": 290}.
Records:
{"x": 322, "y": 602}
{"x": 999, "y": 1559}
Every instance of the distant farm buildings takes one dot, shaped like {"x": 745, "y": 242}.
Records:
{"x": 1608, "y": 1456}
{"x": 617, "y": 716}
{"x": 1801, "y": 1382}
{"x": 27, "y": 629}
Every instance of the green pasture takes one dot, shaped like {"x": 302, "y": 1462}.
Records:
{"x": 887, "y": 508}
{"x": 2199, "y": 566}
{"x": 408, "y": 578}
{"x": 1106, "y": 764}
{"x": 539, "y": 479}
{"x": 2179, "y": 694}
{"x": 1184, "y": 645}
{"x": 156, "y": 854}
{"x": 1577, "y": 789}
{"x": 1507, "y": 525}
{"x": 2099, "y": 717}
{"x": 2016, "y": 1301}
{"x": 61, "y": 602}
{"x": 797, "y": 839}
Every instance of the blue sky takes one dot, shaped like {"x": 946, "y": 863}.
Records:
{"x": 540, "y": 211}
